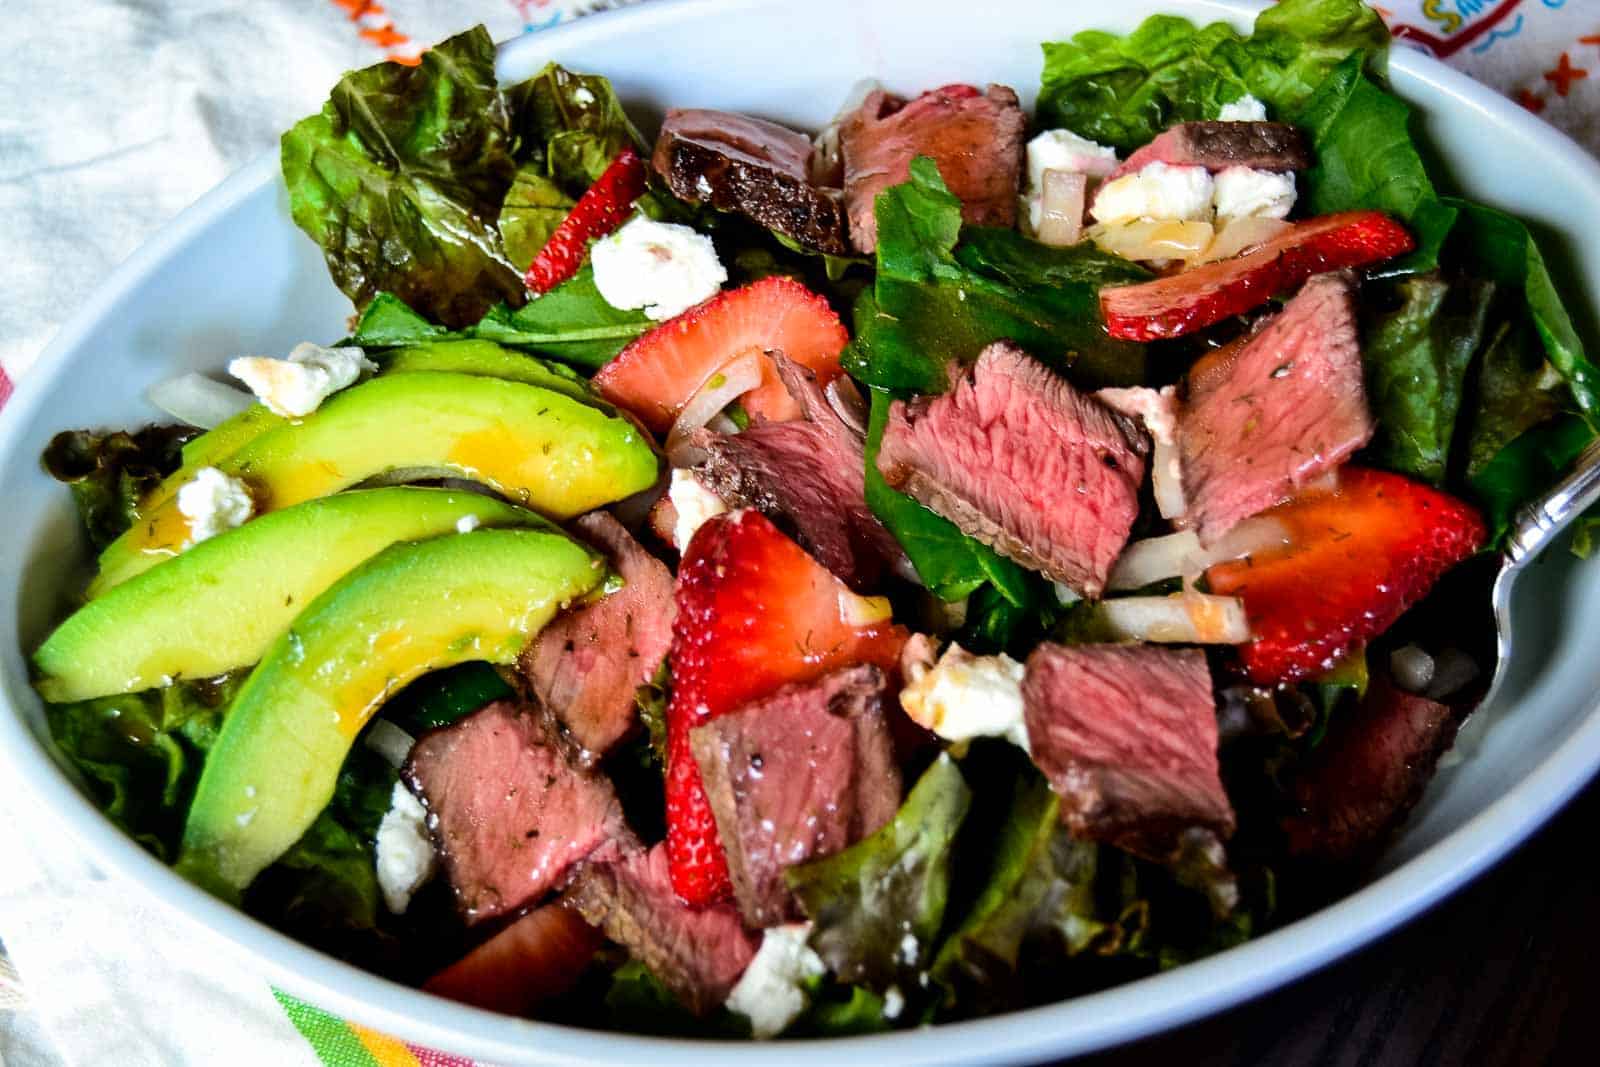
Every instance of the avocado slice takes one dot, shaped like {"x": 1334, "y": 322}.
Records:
{"x": 218, "y": 606}
{"x": 216, "y": 444}
{"x": 412, "y": 608}
{"x": 537, "y": 447}
{"x": 489, "y": 360}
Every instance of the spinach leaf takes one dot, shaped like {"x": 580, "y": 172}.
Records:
{"x": 1517, "y": 389}
{"x": 1122, "y": 91}
{"x": 389, "y": 322}
{"x": 638, "y": 1002}
{"x": 400, "y": 177}
{"x": 439, "y": 698}
{"x": 108, "y": 473}
{"x": 1416, "y": 368}
{"x": 878, "y": 905}
{"x": 1525, "y": 468}
{"x": 571, "y": 322}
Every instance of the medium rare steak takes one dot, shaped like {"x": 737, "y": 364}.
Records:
{"x": 975, "y": 138}
{"x": 795, "y": 776}
{"x": 507, "y": 810}
{"x": 1274, "y": 146}
{"x": 1127, "y": 735}
{"x": 1019, "y": 459}
{"x": 1280, "y": 411}
{"x": 584, "y": 668}
{"x": 756, "y": 168}
{"x": 699, "y": 953}
{"x": 1368, "y": 774}
{"x": 807, "y": 475}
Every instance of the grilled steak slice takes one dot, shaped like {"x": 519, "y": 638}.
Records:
{"x": 1217, "y": 146}
{"x": 795, "y": 776}
{"x": 1127, "y": 735}
{"x": 809, "y": 477}
{"x": 1022, "y": 461}
{"x": 1368, "y": 774}
{"x": 699, "y": 953}
{"x": 1282, "y": 409}
{"x": 508, "y": 812}
{"x": 756, "y": 168}
{"x": 584, "y": 667}
{"x": 975, "y": 138}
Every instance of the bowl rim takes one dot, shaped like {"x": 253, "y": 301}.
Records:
{"x": 1093, "y": 1021}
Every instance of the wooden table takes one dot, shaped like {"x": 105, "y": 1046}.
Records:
{"x": 1505, "y": 972}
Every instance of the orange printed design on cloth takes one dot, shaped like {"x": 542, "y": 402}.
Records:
{"x": 376, "y": 26}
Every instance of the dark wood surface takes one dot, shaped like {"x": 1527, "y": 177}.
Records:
{"x": 1505, "y": 972}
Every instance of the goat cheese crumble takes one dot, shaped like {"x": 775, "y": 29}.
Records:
{"x": 297, "y": 386}
{"x": 770, "y": 992}
{"x": 1062, "y": 150}
{"x": 661, "y": 267}
{"x": 1157, "y": 191}
{"x": 405, "y": 859}
{"x": 214, "y": 503}
{"x": 1245, "y": 109}
{"x": 1242, "y": 192}
{"x": 965, "y": 696}
{"x": 693, "y": 504}
{"x": 467, "y": 523}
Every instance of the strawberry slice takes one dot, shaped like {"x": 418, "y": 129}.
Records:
{"x": 660, "y": 371}
{"x": 601, "y": 209}
{"x": 1357, "y": 559}
{"x": 1194, "y": 299}
{"x": 755, "y": 613}
{"x": 537, "y": 957}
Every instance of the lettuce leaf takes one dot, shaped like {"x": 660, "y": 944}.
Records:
{"x": 1122, "y": 91}
{"x": 878, "y": 905}
{"x": 108, "y": 473}
{"x": 1517, "y": 389}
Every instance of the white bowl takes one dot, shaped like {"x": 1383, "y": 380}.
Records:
{"x": 233, "y": 275}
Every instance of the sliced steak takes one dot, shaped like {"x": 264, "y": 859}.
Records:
{"x": 795, "y": 776}
{"x": 1274, "y": 146}
{"x": 1019, "y": 459}
{"x": 584, "y": 668}
{"x": 1284, "y": 408}
{"x": 1368, "y": 774}
{"x": 508, "y": 811}
{"x": 755, "y": 168}
{"x": 699, "y": 953}
{"x": 1127, "y": 735}
{"x": 808, "y": 476}
{"x": 975, "y": 138}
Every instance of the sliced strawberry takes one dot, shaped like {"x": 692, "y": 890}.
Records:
{"x": 539, "y": 956}
{"x": 754, "y": 613}
{"x": 658, "y": 373}
{"x": 601, "y": 209}
{"x": 1194, "y": 299}
{"x": 1357, "y": 559}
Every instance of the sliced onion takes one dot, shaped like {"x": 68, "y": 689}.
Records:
{"x": 1240, "y": 235}
{"x": 1166, "y": 479}
{"x": 1061, "y": 203}
{"x": 198, "y": 401}
{"x": 1156, "y": 559}
{"x": 733, "y": 380}
{"x": 1184, "y": 618}
{"x": 389, "y": 741}
{"x": 847, "y": 403}
{"x": 1151, "y": 240}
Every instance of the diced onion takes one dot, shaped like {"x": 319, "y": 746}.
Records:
{"x": 1061, "y": 204}
{"x": 1184, "y": 618}
{"x": 389, "y": 741}
{"x": 1154, "y": 240}
{"x": 735, "y": 379}
{"x": 863, "y": 611}
{"x": 1412, "y": 668}
{"x": 1156, "y": 559}
{"x": 1241, "y": 235}
{"x": 198, "y": 401}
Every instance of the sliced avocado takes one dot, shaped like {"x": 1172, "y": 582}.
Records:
{"x": 489, "y": 360}
{"x": 216, "y": 444}
{"x": 537, "y": 447}
{"x": 220, "y": 604}
{"x": 412, "y": 608}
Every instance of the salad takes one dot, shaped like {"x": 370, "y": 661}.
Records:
{"x": 767, "y": 582}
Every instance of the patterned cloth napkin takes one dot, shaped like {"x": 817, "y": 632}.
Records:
{"x": 124, "y": 112}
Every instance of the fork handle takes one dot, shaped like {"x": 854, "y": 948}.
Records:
{"x": 1537, "y": 524}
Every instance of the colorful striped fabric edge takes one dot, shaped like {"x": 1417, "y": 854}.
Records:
{"x": 338, "y": 1043}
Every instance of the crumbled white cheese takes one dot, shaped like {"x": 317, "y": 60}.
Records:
{"x": 1241, "y": 192}
{"x": 662, "y": 267}
{"x": 693, "y": 503}
{"x": 965, "y": 696}
{"x": 405, "y": 858}
{"x": 297, "y": 386}
{"x": 1157, "y": 191}
{"x": 894, "y": 1002}
{"x": 770, "y": 993}
{"x": 1245, "y": 109}
{"x": 214, "y": 503}
{"x": 1156, "y": 408}
{"x": 582, "y": 96}
{"x": 466, "y": 524}
{"x": 1062, "y": 150}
